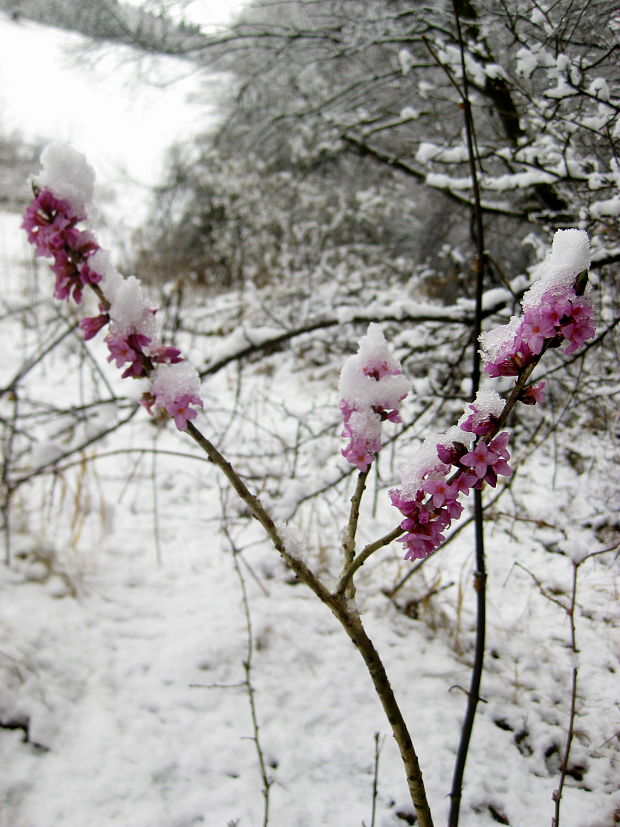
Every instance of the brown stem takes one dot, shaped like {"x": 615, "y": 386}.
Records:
{"x": 349, "y": 539}
{"x": 352, "y": 624}
{"x": 361, "y": 558}
{"x": 259, "y": 512}
{"x": 342, "y": 607}
{"x": 348, "y": 618}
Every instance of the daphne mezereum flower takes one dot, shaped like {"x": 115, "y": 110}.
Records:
{"x": 371, "y": 389}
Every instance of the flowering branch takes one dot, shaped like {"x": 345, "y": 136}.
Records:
{"x": 61, "y": 194}
{"x": 470, "y": 454}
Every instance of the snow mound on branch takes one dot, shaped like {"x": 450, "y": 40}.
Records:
{"x": 423, "y": 463}
{"x": 171, "y": 381}
{"x": 68, "y": 175}
{"x": 130, "y": 310}
{"x": 569, "y": 256}
{"x": 361, "y": 389}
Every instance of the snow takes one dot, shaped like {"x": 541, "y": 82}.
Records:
{"x": 606, "y": 207}
{"x": 449, "y": 155}
{"x": 422, "y": 462}
{"x": 487, "y": 403}
{"x": 569, "y": 256}
{"x": 112, "y": 280}
{"x": 364, "y": 391}
{"x": 600, "y": 89}
{"x": 494, "y": 339}
{"x": 68, "y": 175}
{"x": 408, "y": 113}
{"x": 130, "y": 310}
{"x": 171, "y": 381}
{"x": 406, "y": 61}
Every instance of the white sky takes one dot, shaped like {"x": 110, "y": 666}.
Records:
{"x": 97, "y": 108}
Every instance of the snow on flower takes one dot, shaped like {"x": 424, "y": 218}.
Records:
{"x": 63, "y": 193}
{"x": 130, "y": 311}
{"x": 51, "y": 226}
{"x": 444, "y": 468}
{"x": 371, "y": 389}
{"x": 68, "y": 175}
{"x": 554, "y": 310}
{"x": 484, "y": 412}
{"x": 175, "y": 390}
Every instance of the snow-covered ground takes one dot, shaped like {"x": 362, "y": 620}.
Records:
{"x": 124, "y": 639}
{"x": 123, "y": 636}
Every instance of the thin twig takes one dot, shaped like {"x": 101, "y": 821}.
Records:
{"x": 154, "y": 497}
{"x": 247, "y": 668}
{"x": 375, "y": 779}
{"x": 361, "y": 558}
{"x": 349, "y": 538}
{"x": 557, "y": 793}
{"x": 570, "y": 731}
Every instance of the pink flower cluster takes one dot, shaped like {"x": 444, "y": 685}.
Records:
{"x": 554, "y": 321}
{"x": 429, "y": 501}
{"x": 52, "y": 227}
{"x": 555, "y": 310}
{"x": 371, "y": 388}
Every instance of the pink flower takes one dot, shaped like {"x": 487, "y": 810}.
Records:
{"x": 441, "y": 491}
{"x": 377, "y": 369}
{"x": 371, "y": 389}
{"x": 534, "y": 329}
{"x": 532, "y": 394}
{"x": 498, "y": 446}
{"x": 576, "y": 325}
{"x": 165, "y": 355}
{"x": 479, "y": 459}
{"x": 130, "y": 349}
{"x": 181, "y": 411}
{"x": 51, "y": 226}
{"x": 427, "y": 514}
{"x": 148, "y": 400}
{"x": 45, "y": 221}
{"x": 91, "y": 325}
{"x": 557, "y": 317}
{"x": 478, "y": 424}
{"x": 361, "y": 449}
{"x": 554, "y": 310}
{"x": 451, "y": 453}
{"x": 120, "y": 350}
{"x": 489, "y": 460}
